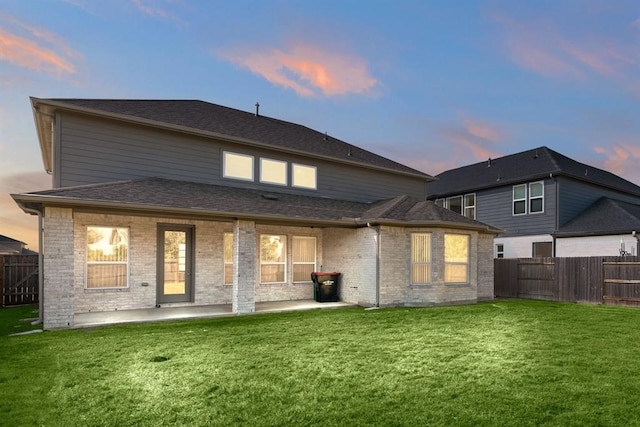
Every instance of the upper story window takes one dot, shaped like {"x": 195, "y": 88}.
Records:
{"x": 304, "y": 176}
{"x": 464, "y": 205}
{"x": 273, "y": 171}
{"x": 536, "y": 197}
{"x": 528, "y": 198}
{"x": 520, "y": 199}
{"x": 107, "y": 257}
{"x": 237, "y": 166}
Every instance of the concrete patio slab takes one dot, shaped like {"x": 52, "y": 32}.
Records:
{"x": 101, "y": 318}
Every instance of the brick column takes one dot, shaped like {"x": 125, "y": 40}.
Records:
{"x": 58, "y": 253}
{"x": 244, "y": 267}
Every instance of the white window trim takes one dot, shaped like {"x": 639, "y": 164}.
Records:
{"x": 87, "y": 262}
{"x": 315, "y": 257}
{"x": 262, "y": 168}
{"x": 465, "y": 207}
{"x": 514, "y": 200}
{"x": 499, "y": 251}
{"x": 293, "y": 176}
{"x": 286, "y": 256}
{"x": 468, "y": 263}
{"x": 534, "y": 198}
{"x": 224, "y": 166}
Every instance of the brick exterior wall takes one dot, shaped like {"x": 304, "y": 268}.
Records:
{"x": 58, "y": 268}
{"x": 352, "y": 252}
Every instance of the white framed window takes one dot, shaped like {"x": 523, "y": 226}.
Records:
{"x": 304, "y": 258}
{"x": 456, "y": 258}
{"x": 107, "y": 257}
{"x": 499, "y": 250}
{"x": 304, "y": 176}
{"x": 536, "y": 197}
{"x": 228, "y": 258}
{"x": 273, "y": 258}
{"x": 420, "y": 258}
{"x": 542, "y": 249}
{"x": 455, "y": 204}
{"x": 520, "y": 199}
{"x": 470, "y": 205}
{"x": 273, "y": 171}
{"x": 237, "y": 166}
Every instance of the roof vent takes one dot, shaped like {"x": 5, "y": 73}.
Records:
{"x": 326, "y": 136}
{"x": 270, "y": 197}
{"x": 257, "y": 109}
{"x": 489, "y": 162}
{"x": 535, "y": 156}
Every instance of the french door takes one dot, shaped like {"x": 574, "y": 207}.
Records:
{"x": 175, "y": 263}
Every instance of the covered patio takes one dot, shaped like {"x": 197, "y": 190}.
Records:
{"x": 103, "y": 318}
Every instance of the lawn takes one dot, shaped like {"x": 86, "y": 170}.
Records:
{"x": 502, "y": 363}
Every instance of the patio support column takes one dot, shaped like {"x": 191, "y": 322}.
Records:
{"x": 244, "y": 267}
{"x": 58, "y": 267}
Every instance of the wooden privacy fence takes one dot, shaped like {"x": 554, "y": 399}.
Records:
{"x": 19, "y": 279}
{"x": 609, "y": 280}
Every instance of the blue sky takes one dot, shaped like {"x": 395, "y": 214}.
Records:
{"x": 432, "y": 84}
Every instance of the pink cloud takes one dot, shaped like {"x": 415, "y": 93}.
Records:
{"x": 308, "y": 70}
{"x": 151, "y": 8}
{"x": 542, "y": 48}
{"x": 621, "y": 159}
{"x": 35, "y": 48}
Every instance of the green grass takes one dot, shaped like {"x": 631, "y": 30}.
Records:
{"x": 519, "y": 363}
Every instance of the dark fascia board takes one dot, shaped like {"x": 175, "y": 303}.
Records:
{"x": 561, "y": 234}
{"x": 56, "y": 105}
{"x": 31, "y": 203}
{"x": 43, "y": 119}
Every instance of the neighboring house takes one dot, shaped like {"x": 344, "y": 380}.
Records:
{"x": 545, "y": 202}
{"x": 176, "y": 203}
{"x": 9, "y": 246}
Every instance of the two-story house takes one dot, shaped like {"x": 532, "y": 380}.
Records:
{"x": 9, "y": 246}
{"x": 164, "y": 203}
{"x": 546, "y": 203}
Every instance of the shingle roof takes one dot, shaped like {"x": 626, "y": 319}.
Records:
{"x": 241, "y": 125}
{"x": 5, "y": 239}
{"x": 165, "y": 197}
{"x": 528, "y": 165}
{"x": 603, "y": 217}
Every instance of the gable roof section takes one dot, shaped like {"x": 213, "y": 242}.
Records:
{"x": 604, "y": 217}
{"x": 163, "y": 197}
{"x": 5, "y": 239}
{"x": 207, "y": 119}
{"x": 538, "y": 163}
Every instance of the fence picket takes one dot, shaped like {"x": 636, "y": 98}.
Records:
{"x": 19, "y": 279}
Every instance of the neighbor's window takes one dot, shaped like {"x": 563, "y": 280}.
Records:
{"x": 542, "y": 249}
{"x": 440, "y": 202}
{"x": 456, "y": 258}
{"x": 304, "y": 258}
{"x": 273, "y": 171}
{"x": 304, "y": 176}
{"x": 107, "y": 257}
{"x": 499, "y": 250}
{"x": 237, "y": 166}
{"x": 470, "y": 205}
{"x": 520, "y": 199}
{"x": 536, "y": 197}
{"x": 420, "y": 258}
{"x": 228, "y": 258}
{"x": 455, "y": 204}
{"x": 273, "y": 256}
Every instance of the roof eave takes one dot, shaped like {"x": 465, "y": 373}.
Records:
{"x": 31, "y": 203}
{"x": 43, "y": 121}
{"x": 430, "y": 223}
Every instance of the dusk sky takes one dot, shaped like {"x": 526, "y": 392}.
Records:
{"x": 431, "y": 84}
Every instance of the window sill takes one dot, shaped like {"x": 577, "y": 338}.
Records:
{"x": 106, "y": 290}
{"x": 420, "y": 285}
{"x": 458, "y": 285}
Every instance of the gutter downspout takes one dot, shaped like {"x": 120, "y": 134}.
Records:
{"x": 40, "y": 265}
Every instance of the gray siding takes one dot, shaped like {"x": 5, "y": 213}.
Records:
{"x": 91, "y": 151}
{"x": 494, "y": 207}
{"x": 576, "y": 196}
